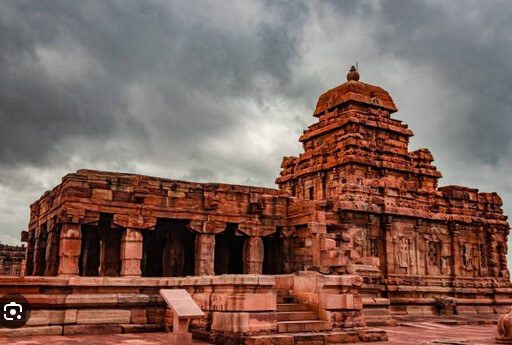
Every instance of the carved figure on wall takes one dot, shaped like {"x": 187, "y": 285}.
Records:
{"x": 358, "y": 241}
{"x": 373, "y": 247}
{"x": 502, "y": 252}
{"x": 403, "y": 252}
{"x": 445, "y": 265}
{"x": 494, "y": 258}
{"x": 467, "y": 256}
{"x": 434, "y": 253}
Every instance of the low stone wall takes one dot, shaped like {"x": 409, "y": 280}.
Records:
{"x": 469, "y": 296}
{"x": 241, "y": 304}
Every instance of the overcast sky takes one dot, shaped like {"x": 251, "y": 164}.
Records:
{"x": 220, "y": 91}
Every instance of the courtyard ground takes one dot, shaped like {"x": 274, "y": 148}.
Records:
{"x": 422, "y": 333}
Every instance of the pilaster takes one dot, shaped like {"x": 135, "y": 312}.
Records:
{"x": 204, "y": 254}
{"x": 253, "y": 255}
{"x": 69, "y": 249}
{"x": 131, "y": 253}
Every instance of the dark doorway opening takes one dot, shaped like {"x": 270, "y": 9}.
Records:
{"x": 40, "y": 259}
{"x": 89, "y": 260}
{"x": 274, "y": 253}
{"x": 169, "y": 250}
{"x": 153, "y": 253}
{"x": 101, "y": 249}
{"x": 52, "y": 252}
{"x": 110, "y": 253}
{"x": 229, "y": 249}
{"x": 29, "y": 268}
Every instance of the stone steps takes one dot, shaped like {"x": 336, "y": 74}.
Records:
{"x": 287, "y": 307}
{"x": 286, "y": 299}
{"x": 293, "y": 317}
{"x": 302, "y": 326}
{"x": 296, "y": 315}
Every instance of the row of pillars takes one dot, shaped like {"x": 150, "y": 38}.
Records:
{"x": 132, "y": 252}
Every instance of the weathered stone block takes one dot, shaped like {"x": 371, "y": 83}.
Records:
{"x": 30, "y": 331}
{"x": 138, "y": 316}
{"x": 244, "y": 322}
{"x": 103, "y": 316}
{"x": 420, "y": 310}
{"x": 91, "y": 329}
{"x": 102, "y": 194}
{"x": 337, "y": 301}
{"x": 39, "y": 318}
{"x": 466, "y": 309}
{"x": 243, "y": 302}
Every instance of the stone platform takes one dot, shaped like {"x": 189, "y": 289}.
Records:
{"x": 237, "y": 308}
{"x": 422, "y": 333}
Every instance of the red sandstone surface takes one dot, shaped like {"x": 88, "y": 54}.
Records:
{"x": 421, "y": 334}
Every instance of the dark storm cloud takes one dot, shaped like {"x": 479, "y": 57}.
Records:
{"x": 470, "y": 44}
{"x": 219, "y": 91}
{"x": 119, "y": 44}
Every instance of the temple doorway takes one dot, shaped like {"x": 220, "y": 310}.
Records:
{"x": 40, "y": 259}
{"x": 52, "y": 252}
{"x": 169, "y": 250}
{"x": 152, "y": 253}
{"x": 274, "y": 257}
{"x": 229, "y": 249}
{"x": 101, "y": 249}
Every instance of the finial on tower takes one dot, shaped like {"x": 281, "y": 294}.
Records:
{"x": 353, "y": 74}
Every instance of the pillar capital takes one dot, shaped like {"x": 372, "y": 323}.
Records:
{"x": 207, "y": 226}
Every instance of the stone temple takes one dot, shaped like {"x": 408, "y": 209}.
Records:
{"x": 357, "y": 234}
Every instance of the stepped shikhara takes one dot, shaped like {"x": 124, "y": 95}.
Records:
{"x": 382, "y": 201}
{"x": 355, "y": 203}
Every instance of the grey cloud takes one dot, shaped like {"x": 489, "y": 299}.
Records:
{"x": 470, "y": 46}
{"x": 219, "y": 91}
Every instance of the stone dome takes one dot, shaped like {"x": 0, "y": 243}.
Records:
{"x": 354, "y": 91}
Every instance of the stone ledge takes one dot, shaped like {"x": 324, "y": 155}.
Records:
{"x": 243, "y": 279}
{"x": 30, "y": 331}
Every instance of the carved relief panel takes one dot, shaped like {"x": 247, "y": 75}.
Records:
{"x": 434, "y": 254}
{"x": 402, "y": 253}
{"x": 467, "y": 257}
{"x": 436, "y": 264}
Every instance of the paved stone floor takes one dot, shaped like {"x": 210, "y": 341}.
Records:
{"x": 424, "y": 333}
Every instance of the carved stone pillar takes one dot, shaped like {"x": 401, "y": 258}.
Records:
{"x": 456, "y": 260}
{"x": 69, "y": 249}
{"x": 204, "y": 254}
{"x": 387, "y": 245}
{"x": 253, "y": 255}
{"x": 131, "y": 253}
{"x": 40, "y": 254}
{"x": 52, "y": 252}
{"x": 29, "y": 259}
